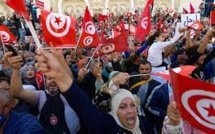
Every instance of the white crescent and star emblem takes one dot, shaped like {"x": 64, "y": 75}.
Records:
{"x": 195, "y": 26}
{"x": 88, "y": 40}
{"x": 203, "y": 110}
{"x": 5, "y": 36}
{"x": 107, "y": 48}
{"x": 58, "y": 25}
{"x": 90, "y": 28}
{"x": 144, "y": 23}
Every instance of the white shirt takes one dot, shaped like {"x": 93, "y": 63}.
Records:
{"x": 155, "y": 51}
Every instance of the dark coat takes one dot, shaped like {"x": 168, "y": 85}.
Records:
{"x": 95, "y": 121}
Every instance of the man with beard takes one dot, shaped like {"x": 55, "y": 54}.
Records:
{"x": 56, "y": 116}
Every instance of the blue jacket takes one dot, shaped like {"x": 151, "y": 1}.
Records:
{"x": 22, "y": 123}
{"x": 95, "y": 121}
{"x": 156, "y": 106}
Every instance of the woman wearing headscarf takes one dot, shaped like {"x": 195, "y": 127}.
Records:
{"x": 122, "y": 118}
{"x": 29, "y": 75}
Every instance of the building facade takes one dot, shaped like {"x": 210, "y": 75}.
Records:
{"x": 77, "y": 7}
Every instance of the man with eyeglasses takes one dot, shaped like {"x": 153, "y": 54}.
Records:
{"x": 12, "y": 122}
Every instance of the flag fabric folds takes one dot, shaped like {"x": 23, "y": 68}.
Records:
{"x": 195, "y": 100}
{"x": 185, "y": 11}
{"x": 5, "y": 35}
{"x": 89, "y": 35}
{"x": 58, "y": 30}
{"x": 19, "y": 7}
{"x": 117, "y": 44}
{"x": 212, "y": 17}
{"x": 192, "y": 9}
{"x": 144, "y": 24}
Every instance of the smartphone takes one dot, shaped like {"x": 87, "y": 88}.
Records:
{"x": 11, "y": 49}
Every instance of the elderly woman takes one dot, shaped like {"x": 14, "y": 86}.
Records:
{"x": 122, "y": 119}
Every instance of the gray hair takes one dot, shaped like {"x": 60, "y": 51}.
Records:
{"x": 4, "y": 97}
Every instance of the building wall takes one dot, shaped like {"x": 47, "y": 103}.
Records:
{"x": 77, "y": 7}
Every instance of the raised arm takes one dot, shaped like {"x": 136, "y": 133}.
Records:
{"x": 78, "y": 100}
{"x": 206, "y": 39}
{"x": 189, "y": 42}
{"x": 16, "y": 82}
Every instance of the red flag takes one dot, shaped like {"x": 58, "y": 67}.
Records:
{"x": 58, "y": 29}
{"x": 118, "y": 44}
{"x": 184, "y": 70}
{"x": 144, "y": 24}
{"x": 171, "y": 11}
{"x": 111, "y": 15}
{"x": 197, "y": 25}
{"x": 115, "y": 33}
{"x": 89, "y": 35}
{"x": 120, "y": 27}
{"x": 196, "y": 101}
{"x": 129, "y": 14}
{"x": 192, "y": 10}
{"x": 185, "y": 11}
{"x": 212, "y": 17}
{"x": 132, "y": 29}
{"x": 19, "y": 7}
{"x": 160, "y": 22}
{"x": 151, "y": 3}
{"x": 39, "y": 79}
{"x": 7, "y": 36}
{"x": 102, "y": 17}
{"x": 39, "y": 4}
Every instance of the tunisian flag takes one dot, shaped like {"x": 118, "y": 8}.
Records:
{"x": 102, "y": 17}
{"x": 39, "y": 80}
{"x": 58, "y": 30}
{"x": 5, "y": 35}
{"x": 118, "y": 44}
{"x": 197, "y": 25}
{"x": 19, "y": 7}
{"x": 144, "y": 24}
{"x": 89, "y": 35}
{"x": 196, "y": 101}
{"x": 183, "y": 70}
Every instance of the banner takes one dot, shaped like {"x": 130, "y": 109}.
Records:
{"x": 189, "y": 19}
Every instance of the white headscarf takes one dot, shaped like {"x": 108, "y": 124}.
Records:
{"x": 115, "y": 102}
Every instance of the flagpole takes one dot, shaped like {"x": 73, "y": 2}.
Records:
{"x": 91, "y": 58}
{"x": 137, "y": 75}
{"x": 33, "y": 32}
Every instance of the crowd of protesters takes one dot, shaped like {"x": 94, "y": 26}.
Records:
{"x": 101, "y": 98}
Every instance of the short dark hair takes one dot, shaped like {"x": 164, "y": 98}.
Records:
{"x": 5, "y": 79}
{"x": 144, "y": 62}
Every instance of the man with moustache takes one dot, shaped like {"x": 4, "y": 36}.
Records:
{"x": 56, "y": 116}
